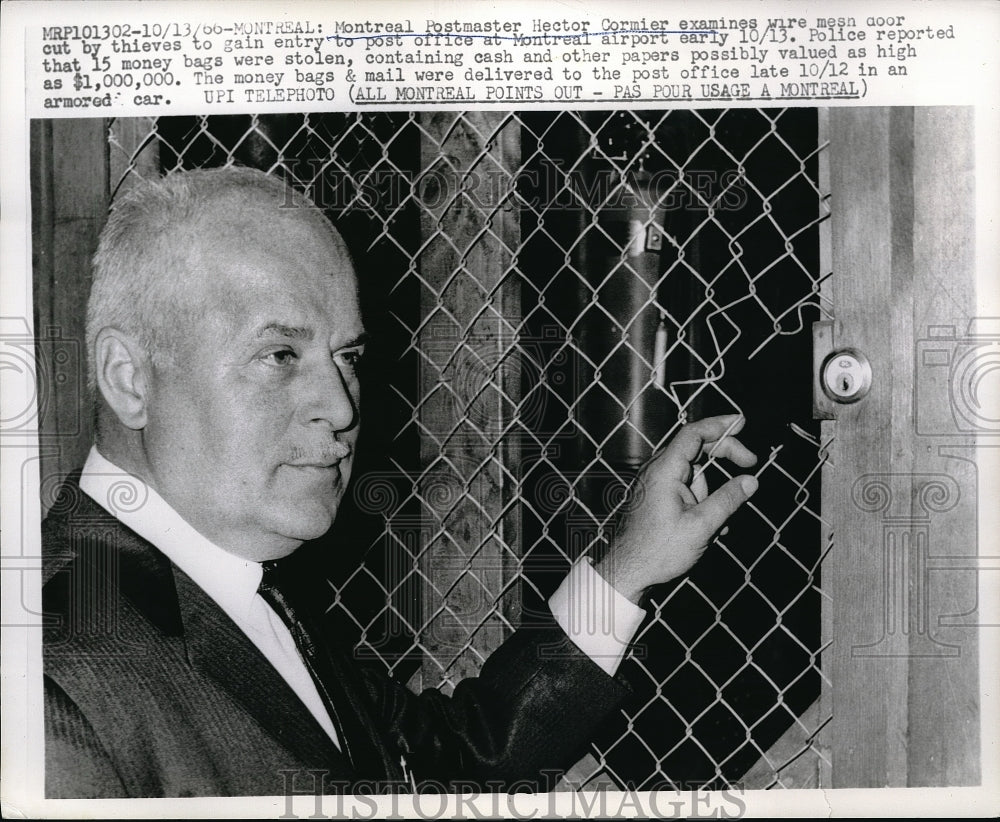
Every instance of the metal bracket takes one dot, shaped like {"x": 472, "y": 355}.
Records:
{"x": 823, "y": 344}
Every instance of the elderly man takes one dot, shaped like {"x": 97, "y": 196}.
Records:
{"x": 224, "y": 336}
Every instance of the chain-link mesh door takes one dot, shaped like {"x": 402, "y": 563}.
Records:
{"x": 551, "y": 295}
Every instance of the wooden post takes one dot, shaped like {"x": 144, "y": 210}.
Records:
{"x": 899, "y": 491}
{"x": 69, "y": 199}
{"x": 469, "y": 386}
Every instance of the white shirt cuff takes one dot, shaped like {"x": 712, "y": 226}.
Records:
{"x": 599, "y": 620}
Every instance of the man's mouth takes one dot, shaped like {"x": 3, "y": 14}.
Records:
{"x": 328, "y": 456}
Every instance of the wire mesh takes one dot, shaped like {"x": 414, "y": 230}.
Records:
{"x": 552, "y": 295}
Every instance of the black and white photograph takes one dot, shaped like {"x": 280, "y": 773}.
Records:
{"x": 621, "y": 458}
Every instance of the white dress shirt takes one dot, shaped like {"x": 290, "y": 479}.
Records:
{"x": 599, "y": 620}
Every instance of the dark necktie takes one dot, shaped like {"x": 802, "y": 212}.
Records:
{"x": 337, "y": 680}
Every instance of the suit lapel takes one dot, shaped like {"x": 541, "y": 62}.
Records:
{"x": 220, "y": 650}
{"x": 177, "y": 607}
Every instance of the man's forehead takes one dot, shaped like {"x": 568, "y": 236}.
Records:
{"x": 253, "y": 265}
{"x": 246, "y": 323}
{"x": 250, "y": 234}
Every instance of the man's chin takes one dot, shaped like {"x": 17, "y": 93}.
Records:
{"x": 303, "y": 525}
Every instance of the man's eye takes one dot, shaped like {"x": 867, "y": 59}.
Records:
{"x": 279, "y": 357}
{"x": 352, "y": 359}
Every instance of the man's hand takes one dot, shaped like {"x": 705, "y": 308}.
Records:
{"x": 670, "y": 516}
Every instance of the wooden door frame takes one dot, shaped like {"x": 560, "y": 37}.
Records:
{"x": 900, "y": 487}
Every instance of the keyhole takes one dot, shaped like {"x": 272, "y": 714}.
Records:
{"x": 846, "y": 376}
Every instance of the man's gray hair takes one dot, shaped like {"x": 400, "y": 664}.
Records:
{"x": 141, "y": 267}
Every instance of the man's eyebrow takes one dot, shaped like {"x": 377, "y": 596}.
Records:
{"x": 361, "y": 339}
{"x": 291, "y": 332}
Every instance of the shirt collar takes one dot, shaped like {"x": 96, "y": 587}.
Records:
{"x": 228, "y": 579}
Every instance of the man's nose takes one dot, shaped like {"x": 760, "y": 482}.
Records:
{"x": 331, "y": 398}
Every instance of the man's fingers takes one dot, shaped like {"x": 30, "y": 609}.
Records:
{"x": 732, "y": 449}
{"x": 713, "y": 512}
{"x": 684, "y": 448}
{"x": 699, "y": 487}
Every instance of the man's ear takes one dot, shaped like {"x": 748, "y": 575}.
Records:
{"x": 122, "y": 376}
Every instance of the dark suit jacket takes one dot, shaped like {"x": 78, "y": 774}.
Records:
{"x": 151, "y": 690}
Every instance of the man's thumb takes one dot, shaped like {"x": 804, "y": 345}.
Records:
{"x": 714, "y": 510}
